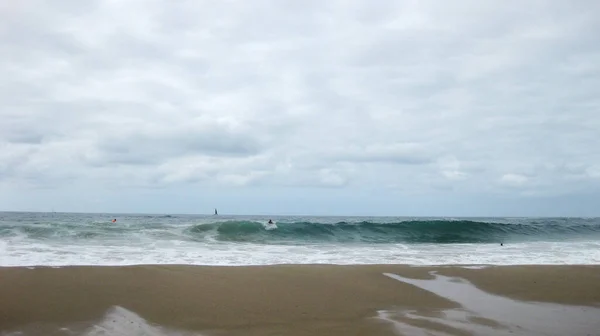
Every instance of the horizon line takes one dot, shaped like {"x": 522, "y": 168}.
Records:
{"x": 284, "y": 215}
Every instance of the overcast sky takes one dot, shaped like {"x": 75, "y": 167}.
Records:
{"x": 342, "y": 107}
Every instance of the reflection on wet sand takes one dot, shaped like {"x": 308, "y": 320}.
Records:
{"x": 486, "y": 314}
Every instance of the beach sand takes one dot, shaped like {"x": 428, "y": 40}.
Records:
{"x": 298, "y": 300}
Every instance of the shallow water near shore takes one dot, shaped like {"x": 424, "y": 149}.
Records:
{"x": 117, "y": 321}
{"x": 482, "y": 313}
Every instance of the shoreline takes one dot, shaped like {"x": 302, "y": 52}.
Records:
{"x": 291, "y": 299}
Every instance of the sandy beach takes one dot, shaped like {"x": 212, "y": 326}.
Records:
{"x": 297, "y": 300}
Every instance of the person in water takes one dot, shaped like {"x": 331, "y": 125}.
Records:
{"x": 270, "y": 221}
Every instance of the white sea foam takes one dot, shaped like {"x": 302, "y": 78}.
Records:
{"x": 23, "y": 252}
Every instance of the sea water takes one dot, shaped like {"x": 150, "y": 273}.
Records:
{"x": 59, "y": 239}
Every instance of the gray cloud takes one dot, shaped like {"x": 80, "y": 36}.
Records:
{"x": 468, "y": 97}
{"x": 153, "y": 146}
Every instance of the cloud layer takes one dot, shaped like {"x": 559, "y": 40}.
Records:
{"x": 396, "y": 97}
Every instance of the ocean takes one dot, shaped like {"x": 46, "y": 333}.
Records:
{"x": 60, "y": 239}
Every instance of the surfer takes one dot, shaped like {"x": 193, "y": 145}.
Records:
{"x": 270, "y": 221}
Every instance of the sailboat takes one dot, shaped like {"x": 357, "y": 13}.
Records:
{"x": 216, "y": 211}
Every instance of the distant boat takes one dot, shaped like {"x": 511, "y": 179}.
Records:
{"x": 216, "y": 211}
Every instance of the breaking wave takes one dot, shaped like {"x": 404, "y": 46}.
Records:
{"x": 415, "y": 231}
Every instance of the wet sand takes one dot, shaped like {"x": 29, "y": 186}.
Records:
{"x": 299, "y": 300}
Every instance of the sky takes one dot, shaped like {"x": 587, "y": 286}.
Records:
{"x": 341, "y": 107}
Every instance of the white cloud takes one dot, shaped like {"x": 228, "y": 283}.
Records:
{"x": 331, "y": 178}
{"x": 451, "y": 168}
{"x": 514, "y": 180}
{"x": 593, "y": 171}
{"x": 464, "y": 97}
